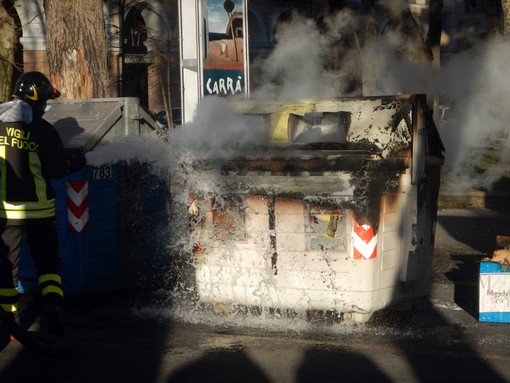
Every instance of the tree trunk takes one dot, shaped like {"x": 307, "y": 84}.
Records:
{"x": 77, "y": 48}
{"x": 505, "y": 10}
{"x": 8, "y": 38}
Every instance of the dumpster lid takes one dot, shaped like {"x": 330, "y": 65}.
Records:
{"x": 86, "y": 123}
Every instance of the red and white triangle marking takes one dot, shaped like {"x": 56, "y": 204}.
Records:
{"x": 77, "y": 205}
{"x": 364, "y": 242}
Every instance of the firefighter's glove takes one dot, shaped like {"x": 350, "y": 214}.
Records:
{"x": 76, "y": 163}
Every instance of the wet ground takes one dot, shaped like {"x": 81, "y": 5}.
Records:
{"x": 133, "y": 337}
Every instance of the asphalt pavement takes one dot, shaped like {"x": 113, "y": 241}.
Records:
{"x": 146, "y": 337}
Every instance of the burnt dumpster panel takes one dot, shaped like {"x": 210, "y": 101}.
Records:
{"x": 337, "y": 212}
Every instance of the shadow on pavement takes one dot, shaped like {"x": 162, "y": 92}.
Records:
{"x": 219, "y": 366}
{"x": 337, "y": 364}
{"x": 107, "y": 344}
{"x": 436, "y": 349}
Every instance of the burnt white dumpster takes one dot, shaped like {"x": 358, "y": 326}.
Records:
{"x": 337, "y": 213}
{"x": 104, "y": 214}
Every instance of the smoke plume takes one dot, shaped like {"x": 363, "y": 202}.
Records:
{"x": 475, "y": 86}
{"x": 469, "y": 91}
{"x": 471, "y": 88}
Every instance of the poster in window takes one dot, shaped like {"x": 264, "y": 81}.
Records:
{"x": 224, "y": 53}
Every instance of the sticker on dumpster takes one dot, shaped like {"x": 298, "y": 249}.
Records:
{"x": 325, "y": 227}
{"x": 77, "y": 206}
{"x": 364, "y": 242}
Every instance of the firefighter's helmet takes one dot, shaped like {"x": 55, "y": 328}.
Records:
{"x": 35, "y": 89}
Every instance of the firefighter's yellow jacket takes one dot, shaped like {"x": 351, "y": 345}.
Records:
{"x": 31, "y": 155}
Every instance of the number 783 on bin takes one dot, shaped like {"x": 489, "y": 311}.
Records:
{"x": 102, "y": 172}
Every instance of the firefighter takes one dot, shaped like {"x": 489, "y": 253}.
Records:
{"x": 31, "y": 155}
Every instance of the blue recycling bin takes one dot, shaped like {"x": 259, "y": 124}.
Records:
{"x": 105, "y": 215}
{"x": 88, "y": 224}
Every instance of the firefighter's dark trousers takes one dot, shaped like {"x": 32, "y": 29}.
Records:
{"x": 42, "y": 242}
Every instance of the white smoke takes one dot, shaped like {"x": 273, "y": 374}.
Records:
{"x": 216, "y": 129}
{"x": 148, "y": 148}
{"x": 471, "y": 88}
{"x": 299, "y": 67}
{"x": 475, "y": 85}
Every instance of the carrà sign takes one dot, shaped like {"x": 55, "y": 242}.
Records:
{"x": 223, "y": 82}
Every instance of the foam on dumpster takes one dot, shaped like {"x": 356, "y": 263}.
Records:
{"x": 344, "y": 227}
